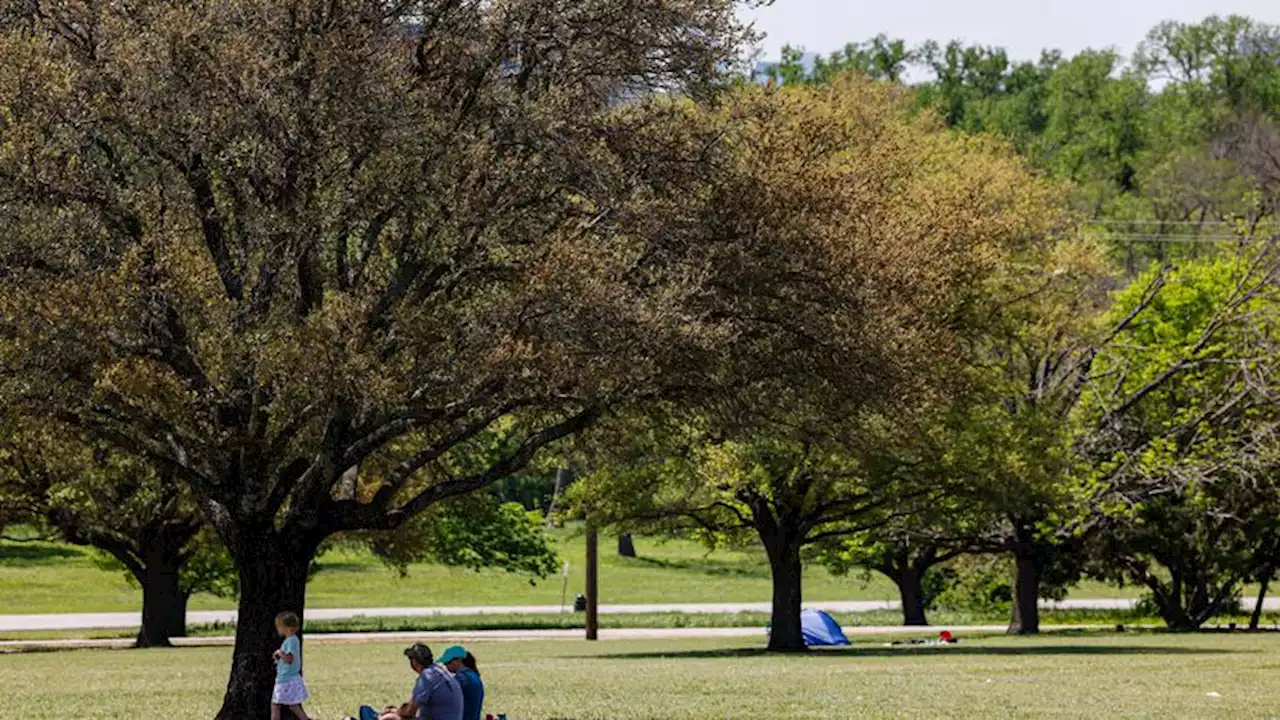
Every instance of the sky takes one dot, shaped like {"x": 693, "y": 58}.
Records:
{"x": 1023, "y": 28}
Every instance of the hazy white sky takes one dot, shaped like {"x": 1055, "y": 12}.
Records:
{"x": 1024, "y": 28}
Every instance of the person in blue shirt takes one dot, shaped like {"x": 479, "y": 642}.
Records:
{"x": 436, "y": 694}
{"x": 463, "y": 666}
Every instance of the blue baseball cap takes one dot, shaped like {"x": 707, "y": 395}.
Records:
{"x": 457, "y": 652}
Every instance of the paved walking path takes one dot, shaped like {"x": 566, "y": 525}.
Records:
{"x": 84, "y": 621}
{"x": 468, "y": 636}
{"x": 88, "y": 621}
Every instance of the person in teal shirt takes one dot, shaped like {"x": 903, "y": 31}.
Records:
{"x": 463, "y": 666}
{"x": 290, "y": 691}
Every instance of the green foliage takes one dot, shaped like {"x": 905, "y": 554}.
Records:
{"x": 977, "y": 584}
{"x": 208, "y": 568}
{"x": 1150, "y": 147}
{"x": 1233, "y": 61}
{"x": 880, "y": 58}
{"x": 1211, "y": 321}
{"x": 969, "y": 83}
{"x": 874, "y": 556}
{"x": 91, "y": 494}
{"x": 1192, "y": 512}
{"x": 531, "y": 491}
{"x": 1094, "y": 129}
{"x": 982, "y": 583}
{"x": 475, "y": 532}
{"x": 1192, "y": 548}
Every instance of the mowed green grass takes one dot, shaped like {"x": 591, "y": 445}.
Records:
{"x": 46, "y": 578}
{"x": 1055, "y": 676}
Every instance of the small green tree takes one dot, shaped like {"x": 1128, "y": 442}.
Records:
{"x": 1003, "y": 447}
{"x": 89, "y": 494}
{"x": 1191, "y": 513}
{"x": 783, "y": 492}
{"x": 908, "y": 551}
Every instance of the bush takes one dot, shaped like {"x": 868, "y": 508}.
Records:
{"x": 977, "y": 584}
{"x": 936, "y": 582}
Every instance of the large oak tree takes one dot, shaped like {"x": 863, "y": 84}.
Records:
{"x": 266, "y": 242}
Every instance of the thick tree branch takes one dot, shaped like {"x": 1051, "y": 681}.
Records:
{"x": 213, "y": 226}
{"x": 354, "y": 516}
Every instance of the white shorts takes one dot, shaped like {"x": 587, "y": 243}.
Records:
{"x": 290, "y": 692}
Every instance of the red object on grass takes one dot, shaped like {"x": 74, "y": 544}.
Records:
{"x": 945, "y": 636}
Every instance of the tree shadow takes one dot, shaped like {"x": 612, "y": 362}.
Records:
{"x": 34, "y": 553}
{"x": 348, "y": 566}
{"x": 906, "y": 650}
{"x": 713, "y": 568}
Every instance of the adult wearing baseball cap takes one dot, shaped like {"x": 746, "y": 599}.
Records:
{"x": 436, "y": 694}
{"x": 463, "y": 666}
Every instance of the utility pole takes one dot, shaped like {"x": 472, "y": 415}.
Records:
{"x": 593, "y": 584}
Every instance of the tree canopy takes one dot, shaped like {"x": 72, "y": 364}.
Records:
{"x": 845, "y": 168}
{"x": 319, "y": 235}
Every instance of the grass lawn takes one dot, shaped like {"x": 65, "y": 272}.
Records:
{"x": 46, "y": 578}
{"x": 1085, "y": 676}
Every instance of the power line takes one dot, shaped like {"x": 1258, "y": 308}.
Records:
{"x": 1199, "y": 223}
{"x": 1137, "y": 237}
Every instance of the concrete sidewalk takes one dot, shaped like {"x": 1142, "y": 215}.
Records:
{"x": 470, "y": 636}
{"x": 88, "y": 621}
{"x": 127, "y": 620}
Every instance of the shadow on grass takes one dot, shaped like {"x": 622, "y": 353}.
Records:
{"x": 347, "y": 566}
{"x": 865, "y": 651}
{"x": 704, "y": 567}
{"x": 34, "y": 553}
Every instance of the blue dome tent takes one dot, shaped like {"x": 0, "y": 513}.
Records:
{"x": 820, "y": 628}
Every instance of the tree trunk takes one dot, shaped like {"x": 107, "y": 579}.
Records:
{"x": 784, "y": 561}
{"x": 626, "y": 546}
{"x": 911, "y": 591}
{"x": 1188, "y": 602}
{"x": 155, "y": 561}
{"x": 164, "y": 605}
{"x": 273, "y": 579}
{"x": 1026, "y": 591}
{"x": 1169, "y": 602}
{"x": 1175, "y": 617}
{"x": 1256, "y": 619}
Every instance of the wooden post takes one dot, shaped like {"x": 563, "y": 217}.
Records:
{"x": 593, "y": 584}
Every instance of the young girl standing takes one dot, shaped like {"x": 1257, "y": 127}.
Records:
{"x": 290, "y": 691}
